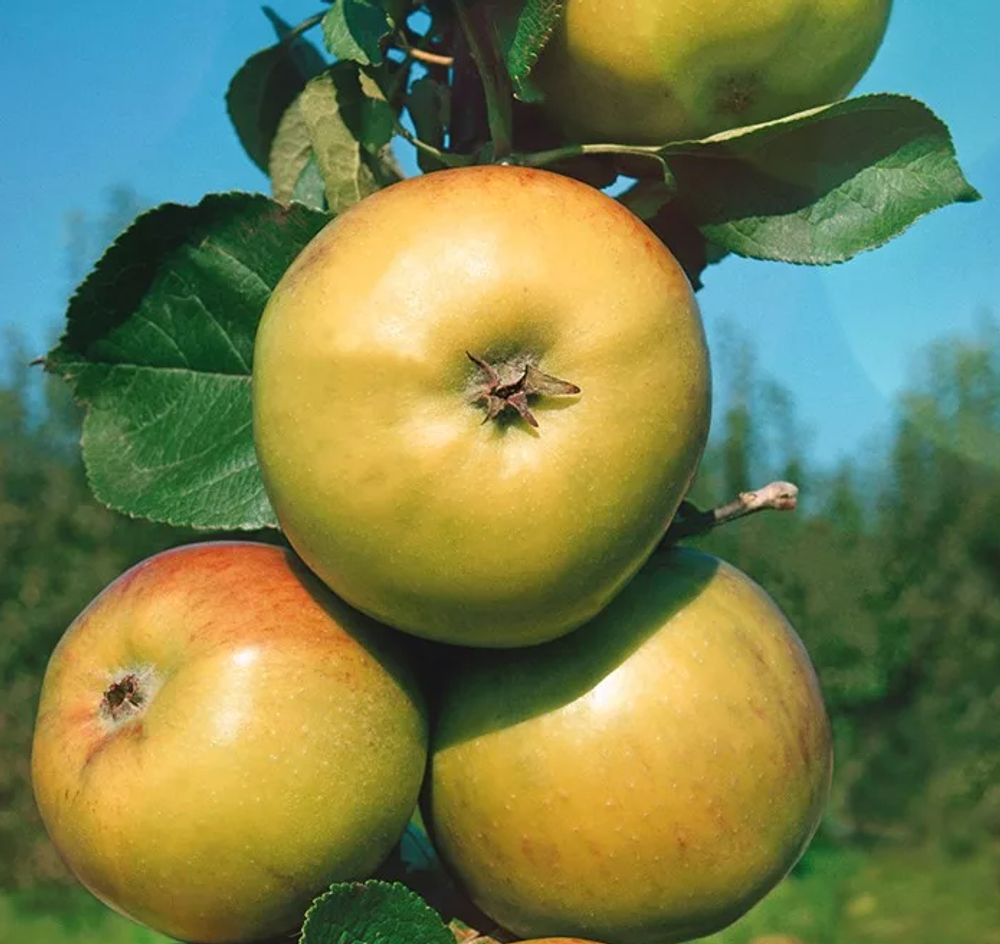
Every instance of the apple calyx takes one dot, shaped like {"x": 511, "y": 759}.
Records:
{"x": 737, "y": 93}
{"x": 123, "y": 696}
{"x": 499, "y": 395}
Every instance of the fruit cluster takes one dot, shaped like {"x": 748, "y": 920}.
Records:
{"x": 479, "y": 398}
{"x": 629, "y": 743}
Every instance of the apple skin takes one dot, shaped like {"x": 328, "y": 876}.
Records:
{"x": 376, "y": 457}
{"x": 279, "y": 746}
{"x": 653, "y": 71}
{"x": 646, "y": 779}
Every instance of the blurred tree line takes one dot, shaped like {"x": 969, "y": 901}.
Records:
{"x": 58, "y": 548}
{"x": 890, "y": 571}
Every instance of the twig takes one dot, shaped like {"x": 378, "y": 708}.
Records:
{"x": 691, "y": 521}
{"x": 448, "y": 158}
{"x": 423, "y": 55}
{"x": 431, "y": 58}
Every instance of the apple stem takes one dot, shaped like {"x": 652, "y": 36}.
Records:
{"x": 691, "y": 521}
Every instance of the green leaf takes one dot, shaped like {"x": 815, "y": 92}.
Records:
{"x": 338, "y": 125}
{"x": 378, "y": 120}
{"x": 265, "y": 85}
{"x": 522, "y": 30}
{"x": 823, "y": 185}
{"x": 354, "y": 29}
{"x": 372, "y": 912}
{"x": 159, "y": 345}
{"x": 646, "y": 198}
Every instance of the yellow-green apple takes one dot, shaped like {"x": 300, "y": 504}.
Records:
{"x": 479, "y": 397}
{"x": 637, "y": 71}
{"x": 219, "y": 739}
{"x": 645, "y": 779}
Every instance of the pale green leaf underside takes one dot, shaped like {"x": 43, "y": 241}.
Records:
{"x": 373, "y": 913}
{"x": 337, "y": 128}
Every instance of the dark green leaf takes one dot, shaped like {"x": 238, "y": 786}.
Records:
{"x": 646, "y": 198}
{"x": 159, "y": 346}
{"x": 378, "y": 120}
{"x": 652, "y": 201}
{"x": 398, "y": 10}
{"x": 338, "y": 125}
{"x": 265, "y": 85}
{"x": 427, "y": 103}
{"x": 523, "y": 29}
{"x": 282, "y": 29}
{"x": 823, "y": 185}
{"x": 372, "y": 913}
{"x": 354, "y": 29}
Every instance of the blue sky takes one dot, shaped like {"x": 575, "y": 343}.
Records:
{"x": 103, "y": 94}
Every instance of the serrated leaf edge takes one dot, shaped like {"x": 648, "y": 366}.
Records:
{"x": 968, "y": 195}
{"x": 369, "y": 883}
{"x": 523, "y": 89}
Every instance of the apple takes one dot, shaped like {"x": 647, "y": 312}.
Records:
{"x": 219, "y": 739}
{"x": 653, "y": 71}
{"x": 643, "y": 780}
{"x": 479, "y": 396}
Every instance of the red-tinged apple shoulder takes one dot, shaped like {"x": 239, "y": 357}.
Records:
{"x": 559, "y": 940}
{"x": 200, "y": 566}
{"x": 215, "y": 593}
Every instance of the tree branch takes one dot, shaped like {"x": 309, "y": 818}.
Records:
{"x": 410, "y": 47}
{"x": 691, "y": 521}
